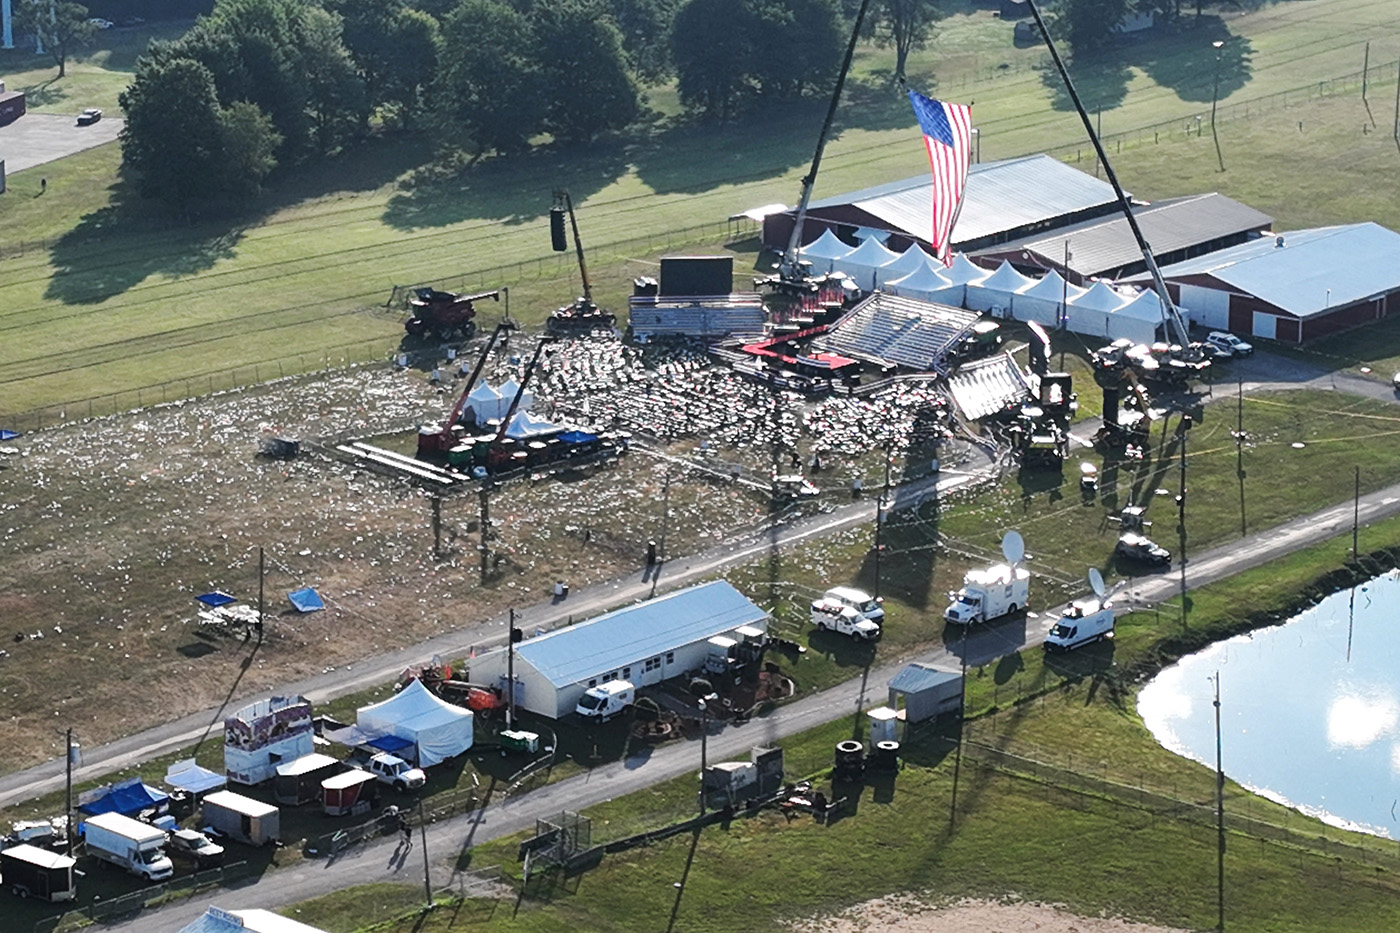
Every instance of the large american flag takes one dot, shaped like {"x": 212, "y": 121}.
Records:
{"x": 947, "y": 132}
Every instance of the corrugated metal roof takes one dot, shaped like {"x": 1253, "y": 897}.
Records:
{"x": 1000, "y": 196}
{"x": 1313, "y": 271}
{"x": 918, "y": 677}
{"x": 1106, "y": 244}
{"x": 570, "y": 655}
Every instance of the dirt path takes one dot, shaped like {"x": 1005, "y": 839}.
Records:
{"x": 909, "y": 915}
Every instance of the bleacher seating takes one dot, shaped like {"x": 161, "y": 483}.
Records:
{"x": 988, "y": 386}
{"x": 891, "y": 329}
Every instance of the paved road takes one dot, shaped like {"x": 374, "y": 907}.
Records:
{"x": 381, "y": 861}
{"x": 152, "y": 743}
{"x": 36, "y": 138}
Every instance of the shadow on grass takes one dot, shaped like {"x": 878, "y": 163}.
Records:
{"x": 133, "y": 238}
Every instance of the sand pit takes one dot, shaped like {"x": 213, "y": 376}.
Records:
{"x": 907, "y": 914}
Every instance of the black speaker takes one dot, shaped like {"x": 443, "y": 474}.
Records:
{"x": 517, "y": 635}
{"x": 556, "y": 230}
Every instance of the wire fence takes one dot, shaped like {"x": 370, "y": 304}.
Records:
{"x": 136, "y": 901}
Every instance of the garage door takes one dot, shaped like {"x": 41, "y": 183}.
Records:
{"x": 1265, "y": 325}
{"x": 1207, "y": 307}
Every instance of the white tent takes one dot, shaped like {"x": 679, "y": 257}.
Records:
{"x": 1044, "y": 301}
{"x": 824, "y": 251}
{"x": 865, "y": 261}
{"x": 525, "y": 425}
{"x": 910, "y": 261}
{"x": 923, "y": 284}
{"x": 964, "y": 271}
{"x": 1091, "y": 312}
{"x": 508, "y": 390}
{"x": 1139, "y": 319}
{"x": 439, "y": 729}
{"x": 997, "y": 290}
{"x": 486, "y": 403}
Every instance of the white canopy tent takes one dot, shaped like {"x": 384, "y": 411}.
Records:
{"x": 1140, "y": 319}
{"x": 486, "y": 403}
{"x": 525, "y": 426}
{"x": 438, "y": 729}
{"x": 508, "y": 390}
{"x": 997, "y": 290}
{"x": 964, "y": 271}
{"x": 1044, "y": 301}
{"x": 910, "y": 261}
{"x": 824, "y": 251}
{"x": 923, "y": 284}
{"x": 865, "y": 261}
{"x": 1091, "y": 312}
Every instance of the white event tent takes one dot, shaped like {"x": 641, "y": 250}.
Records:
{"x": 907, "y": 263}
{"x": 824, "y": 251}
{"x": 998, "y": 290}
{"x": 1091, "y": 312}
{"x": 865, "y": 261}
{"x": 926, "y": 284}
{"x": 438, "y": 729}
{"x": 1044, "y": 301}
{"x": 1140, "y": 319}
{"x": 486, "y": 403}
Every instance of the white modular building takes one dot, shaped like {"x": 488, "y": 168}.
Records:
{"x": 645, "y": 644}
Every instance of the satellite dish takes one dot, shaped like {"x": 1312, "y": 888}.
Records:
{"x": 1013, "y": 547}
{"x": 1096, "y": 582}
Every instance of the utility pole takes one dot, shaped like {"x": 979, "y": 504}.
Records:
{"x": 510, "y": 673}
{"x": 665, "y": 512}
{"x": 1356, "y": 518}
{"x": 1219, "y": 815}
{"x": 68, "y": 786}
{"x": 260, "y": 594}
{"x": 1214, "y": 95}
{"x": 1366, "y": 73}
{"x": 880, "y": 518}
{"x": 1181, "y": 519}
{"x": 485, "y": 522}
{"x": 704, "y": 753}
{"x": 1397, "y": 106}
{"x": 427, "y": 877}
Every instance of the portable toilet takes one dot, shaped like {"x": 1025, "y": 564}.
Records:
{"x": 242, "y": 818}
{"x": 353, "y": 791}
{"x": 882, "y": 723}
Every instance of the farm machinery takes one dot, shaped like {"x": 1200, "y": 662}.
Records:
{"x": 444, "y": 315}
{"x": 449, "y": 434}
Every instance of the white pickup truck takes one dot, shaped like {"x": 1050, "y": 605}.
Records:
{"x": 830, "y": 615}
{"x": 394, "y": 771}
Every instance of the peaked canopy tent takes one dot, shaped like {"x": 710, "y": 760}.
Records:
{"x": 525, "y": 426}
{"x": 924, "y": 284}
{"x": 125, "y": 797}
{"x": 964, "y": 271}
{"x": 910, "y": 261}
{"x": 1090, "y": 312}
{"x": 997, "y": 290}
{"x": 1045, "y": 301}
{"x": 1142, "y": 319}
{"x": 823, "y": 252}
{"x": 865, "y": 261}
{"x": 437, "y": 729}
{"x": 306, "y": 599}
{"x": 509, "y": 388}
{"x": 485, "y": 403}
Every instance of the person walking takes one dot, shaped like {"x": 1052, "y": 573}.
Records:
{"x": 407, "y": 831}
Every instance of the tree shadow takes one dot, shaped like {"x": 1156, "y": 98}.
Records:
{"x": 876, "y": 102}
{"x": 1101, "y": 80}
{"x": 46, "y": 93}
{"x": 1186, "y": 62}
{"x": 131, "y": 239}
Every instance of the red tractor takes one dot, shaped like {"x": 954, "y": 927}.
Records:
{"x": 443, "y": 314}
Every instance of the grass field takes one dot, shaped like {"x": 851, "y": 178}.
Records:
{"x": 1083, "y": 819}
{"x": 131, "y": 300}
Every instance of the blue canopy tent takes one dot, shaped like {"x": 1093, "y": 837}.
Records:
{"x": 125, "y": 797}
{"x": 306, "y": 600}
{"x": 392, "y": 744}
{"x": 216, "y": 599}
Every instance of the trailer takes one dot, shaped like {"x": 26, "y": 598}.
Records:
{"x": 242, "y": 818}
{"x": 298, "y": 782}
{"x": 29, "y": 871}
{"x": 352, "y": 792}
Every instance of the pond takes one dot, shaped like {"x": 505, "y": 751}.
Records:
{"x": 1309, "y": 710}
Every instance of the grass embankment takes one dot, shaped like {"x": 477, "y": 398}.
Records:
{"x": 1013, "y": 835}
{"x": 284, "y": 283}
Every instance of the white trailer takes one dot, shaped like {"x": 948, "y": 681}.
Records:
{"x": 130, "y": 844}
{"x": 999, "y": 590}
{"x": 242, "y": 818}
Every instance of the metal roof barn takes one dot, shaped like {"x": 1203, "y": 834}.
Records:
{"x": 644, "y": 644}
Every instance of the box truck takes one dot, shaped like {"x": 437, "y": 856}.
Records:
{"x": 29, "y": 871}
{"x": 242, "y": 818}
{"x": 130, "y": 844}
{"x": 994, "y": 592}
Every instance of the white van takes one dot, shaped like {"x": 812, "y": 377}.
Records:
{"x": 1085, "y": 621}
{"x": 868, "y": 606}
{"x": 605, "y": 701}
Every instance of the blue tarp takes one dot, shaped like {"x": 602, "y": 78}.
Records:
{"x": 7, "y": 435}
{"x": 127, "y": 798}
{"x": 577, "y": 437}
{"x": 389, "y": 743}
{"x": 216, "y": 599}
{"x": 307, "y": 600}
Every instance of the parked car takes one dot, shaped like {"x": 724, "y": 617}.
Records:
{"x": 1229, "y": 342}
{"x": 1139, "y": 548}
{"x": 1395, "y": 382}
{"x": 89, "y": 116}
{"x": 393, "y": 770}
{"x": 193, "y": 846}
{"x": 101, "y": 23}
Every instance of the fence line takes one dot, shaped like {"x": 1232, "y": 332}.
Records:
{"x": 99, "y": 911}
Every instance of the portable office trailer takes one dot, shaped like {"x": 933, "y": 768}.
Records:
{"x": 242, "y": 818}
{"x": 33, "y": 872}
{"x": 351, "y": 792}
{"x": 298, "y": 782}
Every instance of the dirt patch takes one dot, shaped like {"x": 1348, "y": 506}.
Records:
{"x": 908, "y": 914}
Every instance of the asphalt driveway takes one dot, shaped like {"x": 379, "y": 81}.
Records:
{"x": 36, "y": 138}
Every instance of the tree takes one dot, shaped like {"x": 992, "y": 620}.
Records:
{"x": 410, "y": 61}
{"x": 797, "y": 44}
{"x": 905, "y": 26}
{"x": 173, "y": 133}
{"x": 60, "y": 25}
{"x": 488, "y": 84}
{"x": 248, "y": 142}
{"x": 336, "y": 98}
{"x": 710, "y": 45}
{"x": 645, "y": 26}
{"x": 585, "y": 73}
{"x": 1088, "y": 25}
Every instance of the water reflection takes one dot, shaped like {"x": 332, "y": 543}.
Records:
{"x": 1310, "y": 710}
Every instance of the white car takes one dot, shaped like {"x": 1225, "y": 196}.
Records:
{"x": 101, "y": 23}
{"x": 1229, "y": 343}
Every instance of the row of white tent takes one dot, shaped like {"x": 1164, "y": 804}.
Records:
{"x": 1099, "y": 311}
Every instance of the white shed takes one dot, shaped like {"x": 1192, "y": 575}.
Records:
{"x": 645, "y": 644}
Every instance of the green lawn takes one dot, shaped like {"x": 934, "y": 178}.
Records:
{"x": 133, "y": 300}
